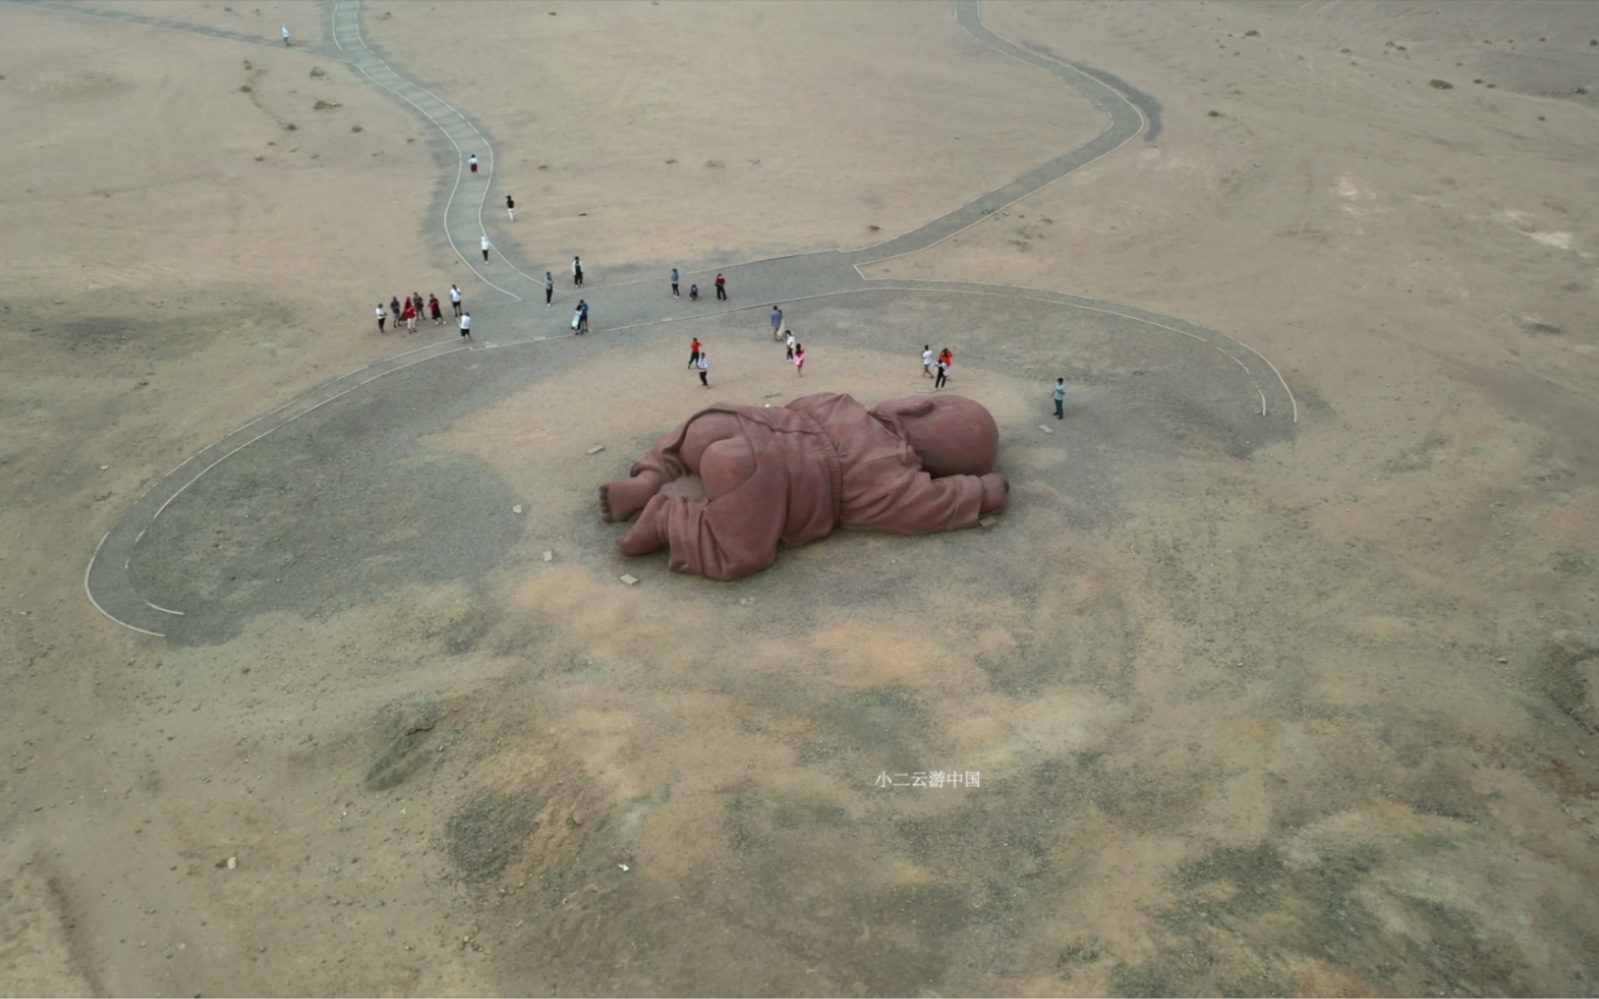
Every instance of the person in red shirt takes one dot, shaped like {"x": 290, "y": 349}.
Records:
{"x": 694, "y": 352}
{"x": 721, "y": 288}
{"x": 410, "y": 317}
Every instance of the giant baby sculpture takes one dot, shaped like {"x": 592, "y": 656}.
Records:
{"x": 792, "y": 474}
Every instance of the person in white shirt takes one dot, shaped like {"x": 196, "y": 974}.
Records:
{"x": 471, "y": 161}
{"x": 705, "y": 368}
{"x": 485, "y": 247}
{"x": 285, "y": 36}
{"x": 466, "y": 325}
{"x": 455, "y": 299}
{"x": 383, "y": 314}
{"x": 927, "y": 361}
{"x": 577, "y": 272}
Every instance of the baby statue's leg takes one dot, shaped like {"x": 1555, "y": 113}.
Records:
{"x": 624, "y": 498}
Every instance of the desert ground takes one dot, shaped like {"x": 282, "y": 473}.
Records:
{"x": 1301, "y": 702}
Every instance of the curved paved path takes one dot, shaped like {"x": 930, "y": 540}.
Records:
{"x": 631, "y": 305}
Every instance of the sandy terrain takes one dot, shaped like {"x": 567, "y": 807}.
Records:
{"x": 1258, "y": 707}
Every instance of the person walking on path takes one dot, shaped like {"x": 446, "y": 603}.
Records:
{"x": 704, "y": 364}
{"x": 549, "y": 288}
{"x": 383, "y": 315}
{"x": 1060, "y": 398}
{"x": 466, "y": 326}
{"x": 788, "y": 338}
{"x": 285, "y": 36}
{"x": 485, "y": 242}
{"x": 577, "y": 272}
{"x": 674, "y": 284}
{"x": 510, "y": 207}
{"x": 694, "y": 352}
{"x": 471, "y": 162}
{"x": 410, "y": 317}
{"x": 455, "y": 300}
{"x": 777, "y": 323}
{"x": 799, "y": 359}
{"x": 927, "y": 360}
{"x": 434, "y": 310}
{"x": 721, "y": 288}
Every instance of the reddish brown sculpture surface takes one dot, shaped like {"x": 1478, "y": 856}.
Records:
{"x": 792, "y": 474}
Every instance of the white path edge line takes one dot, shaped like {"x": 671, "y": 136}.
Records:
{"x": 279, "y": 426}
{"x": 1137, "y": 319}
{"x": 979, "y": 221}
{"x": 109, "y": 616}
{"x": 89, "y": 569}
{"x": 446, "y": 132}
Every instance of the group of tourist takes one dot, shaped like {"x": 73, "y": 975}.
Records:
{"x": 413, "y": 308}
{"x": 699, "y": 360}
{"x": 937, "y": 369}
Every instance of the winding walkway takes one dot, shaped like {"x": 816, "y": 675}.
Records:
{"x": 107, "y": 579}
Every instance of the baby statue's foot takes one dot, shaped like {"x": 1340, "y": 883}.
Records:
{"x": 624, "y": 498}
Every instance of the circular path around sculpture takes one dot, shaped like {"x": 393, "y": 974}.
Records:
{"x": 331, "y": 498}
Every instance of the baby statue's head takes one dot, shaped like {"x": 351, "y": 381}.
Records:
{"x": 952, "y": 435}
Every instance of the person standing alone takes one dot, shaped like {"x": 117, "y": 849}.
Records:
{"x": 466, "y": 326}
{"x": 471, "y": 162}
{"x": 485, "y": 242}
{"x": 674, "y": 284}
{"x": 577, "y": 272}
{"x": 285, "y": 37}
{"x": 721, "y": 288}
{"x": 455, "y": 300}
{"x": 777, "y": 323}
{"x": 549, "y": 288}
{"x": 1060, "y": 398}
{"x": 510, "y": 207}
